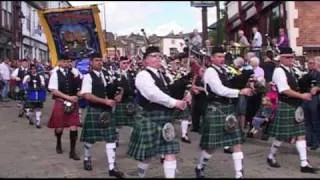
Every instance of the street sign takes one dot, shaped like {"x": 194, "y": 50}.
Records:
{"x": 203, "y": 3}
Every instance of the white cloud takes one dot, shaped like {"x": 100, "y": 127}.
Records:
{"x": 125, "y": 17}
{"x": 164, "y": 29}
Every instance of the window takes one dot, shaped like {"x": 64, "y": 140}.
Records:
{"x": 275, "y": 20}
{"x": 6, "y": 14}
{"x": 28, "y": 17}
{"x": 173, "y": 41}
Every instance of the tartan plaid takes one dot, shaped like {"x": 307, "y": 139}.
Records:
{"x": 212, "y": 130}
{"x": 31, "y": 104}
{"x": 121, "y": 117}
{"x": 185, "y": 114}
{"x": 146, "y": 140}
{"x": 284, "y": 127}
{"x": 92, "y": 131}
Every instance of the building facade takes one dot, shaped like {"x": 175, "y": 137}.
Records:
{"x": 172, "y": 44}
{"x": 298, "y": 18}
{"x": 10, "y": 28}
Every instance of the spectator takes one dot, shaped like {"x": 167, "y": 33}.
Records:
{"x": 243, "y": 41}
{"x": 5, "y": 74}
{"x": 256, "y": 43}
{"x": 258, "y": 71}
{"x": 283, "y": 40}
{"x": 268, "y": 66}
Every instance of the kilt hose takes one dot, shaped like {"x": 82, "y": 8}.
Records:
{"x": 121, "y": 117}
{"x": 92, "y": 131}
{"x": 59, "y": 119}
{"x": 146, "y": 139}
{"x": 212, "y": 130}
{"x": 284, "y": 126}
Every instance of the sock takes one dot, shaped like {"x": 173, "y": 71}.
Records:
{"x": 169, "y": 168}
{"x": 301, "y": 146}
{"x": 80, "y": 115}
{"x": 28, "y": 112}
{"x": 58, "y": 135}
{"x": 142, "y": 169}
{"x": 203, "y": 159}
{"x": 111, "y": 154}
{"x": 274, "y": 148}
{"x": 184, "y": 127}
{"x": 73, "y": 140}
{"x": 237, "y": 161}
{"x": 87, "y": 151}
{"x": 38, "y": 115}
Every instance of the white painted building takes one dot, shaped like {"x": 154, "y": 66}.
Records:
{"x": 172, "y": 44}
{"x": 34, "y": 42}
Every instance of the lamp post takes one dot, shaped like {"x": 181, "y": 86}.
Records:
{"x": 22, "y": 18}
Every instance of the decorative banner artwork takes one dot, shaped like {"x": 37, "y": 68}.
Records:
{"x": 73, "y": 32}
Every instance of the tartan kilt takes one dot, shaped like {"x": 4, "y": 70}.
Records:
{"x": 59, "y": 119}
{"x": 121, "y": 117}
{"x": 284, "y": 126}
{"x": 185, "y": 114}
{"x": 146, "y": 139}
{"x": 212, "y": 130}
{"x": 92, "y": 130}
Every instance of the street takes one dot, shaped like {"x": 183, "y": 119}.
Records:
{"x": 28, "y": 152}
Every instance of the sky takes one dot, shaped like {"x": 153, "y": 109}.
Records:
{"x": 155, "y": 17}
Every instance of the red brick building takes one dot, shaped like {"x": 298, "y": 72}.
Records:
{"x": 299, "y": 18}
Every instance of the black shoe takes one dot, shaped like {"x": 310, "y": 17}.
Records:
{"x": 273, "y": 163}
{"x": 38, "y": 126}
{"x": 186, "y": 140}
{"x": 87, "y": 165}
{"x": 308, "y": 169}
{"x": 314, "y": 148}
{"x": 228, "y": 150}
{"x": 20, "y": 115}
{"x": 31, "y": 122}
{"x": 116, "y": 173}
{"x": 265, "y": 137}
{"x": 199, "y": 173}
{"x": 59, "y": 150}
{"x": 250, "y": 135}
{"x": 74, "y": 156}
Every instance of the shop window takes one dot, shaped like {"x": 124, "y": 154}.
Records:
{"x": 6, "y": 14}
{"x": 275, "y": 20}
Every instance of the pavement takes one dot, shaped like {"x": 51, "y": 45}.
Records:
{"x": 28, "y": 152}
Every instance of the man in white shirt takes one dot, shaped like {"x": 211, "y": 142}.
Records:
{"x": 256, "y": 43}
{"x": 64, "y": 86}
{"x": 18, "y": 74}
{"x": 216, "y": 133}
{"x": 156, "y": 110}
{"x": 95, "y": 128}
{"x": 286, "y": 127}
{"x": 36, "y": 94}
{"x": 5, "y": 74}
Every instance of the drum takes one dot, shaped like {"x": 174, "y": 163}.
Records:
{"x": 37, "y": 95}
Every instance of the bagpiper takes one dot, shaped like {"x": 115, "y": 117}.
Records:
{"x": 153, "y": 132}
{"x": 288, "y": 123}
{"x": 220, "y": 127}
{"x": 36, "y": 93}
{"x": 99, "y": 123}
{"x": 18, "y": 74}
{"x": 64, "y": 85}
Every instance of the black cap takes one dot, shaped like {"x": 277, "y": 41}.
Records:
{"x": 123, "y": 58}
{"x": 24, "y": 59}
{"x": 217, "y": 50}
{"x": 151, "y": 49}
{"x": 286, "y": 50}
{"x": 32, "y": 66}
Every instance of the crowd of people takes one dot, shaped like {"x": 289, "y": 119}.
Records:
{"x": 224, "y": 103}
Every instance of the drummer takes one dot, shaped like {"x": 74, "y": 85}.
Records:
{"x": 36, "y": 94}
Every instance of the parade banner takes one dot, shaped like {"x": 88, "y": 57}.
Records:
{"x": 73, "y": 32}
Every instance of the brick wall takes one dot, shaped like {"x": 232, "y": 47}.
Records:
{"x": 308, "y": 22}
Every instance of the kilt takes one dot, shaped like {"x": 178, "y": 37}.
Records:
{"x": 92, "y": 130}
{"x": 31, "y": 104}
{"x": 59, "y": 119}
{"x": 185, "y": 114}
{"x": 146, "y": 139}
{"x": 121, "y": 117}
{"x": 212, "y": 130}
{"x": 284, "y": 126}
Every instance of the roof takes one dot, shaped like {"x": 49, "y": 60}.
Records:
{"x": 213, "y": 26}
